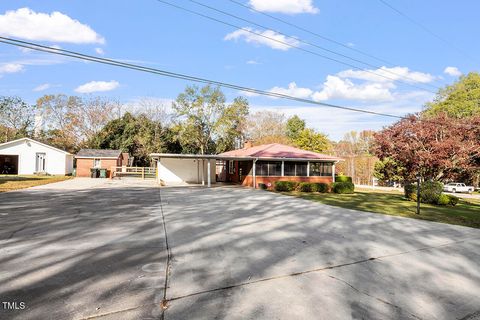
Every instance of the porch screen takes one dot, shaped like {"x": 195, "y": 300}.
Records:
{"x": 268, "y": 168}
{"x": 298, "y": 169}
{"x": 320, "y": 169}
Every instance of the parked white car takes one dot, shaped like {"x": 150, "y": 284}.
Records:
{"x": 457, "y": 187}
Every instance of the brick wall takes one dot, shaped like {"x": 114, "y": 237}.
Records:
{"x": 248, "y": 181}
{"x": 84, "y": 166}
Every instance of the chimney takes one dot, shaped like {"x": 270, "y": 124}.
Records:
{"x": 247, "y": 144}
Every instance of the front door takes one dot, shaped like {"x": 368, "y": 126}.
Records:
{"x": 40, "y": 162}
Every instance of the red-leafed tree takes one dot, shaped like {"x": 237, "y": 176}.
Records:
{"x": 437, "y": 147}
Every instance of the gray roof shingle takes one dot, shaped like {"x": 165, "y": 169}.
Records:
{"x": 98, "y": 153}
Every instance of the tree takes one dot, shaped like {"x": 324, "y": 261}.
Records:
{"x": 70, "y": 121}
{"x": 308, "y": 139}
{"x": 232, "y": 125}
{"x": 459, "y": 100}
{"x": 437, "y": 148}
{"x": 202, "y": 116}
{"x": 388, "y": 170}
{"x": 16, "y": 118}
{"x": 137, "y": 136}
{"x": 265, "y": 127}
{"x": 294, "y": 126}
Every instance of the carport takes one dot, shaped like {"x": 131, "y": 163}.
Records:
{"x": 8, "y": 164}
{"x": 204, "y": 169}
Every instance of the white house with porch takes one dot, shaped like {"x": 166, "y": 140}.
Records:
{"x": 27, "y": 156}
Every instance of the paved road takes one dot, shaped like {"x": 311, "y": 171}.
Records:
{"x": 99, "y": 251}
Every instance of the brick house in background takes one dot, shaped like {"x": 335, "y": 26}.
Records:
{"x": 101, "y": 159}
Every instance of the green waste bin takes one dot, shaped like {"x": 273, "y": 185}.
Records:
{"x": 94, "y": 172}
{"x": 103, "y": 173}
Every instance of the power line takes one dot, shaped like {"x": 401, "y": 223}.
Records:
{"x": 427, "y": 30}
{"x": 131, "y": 66}
{"x": 308, "y": 43}
{"x": 77, "y": 55}
{"x": 311, "y": 32}
{"x": 291, "y": 45}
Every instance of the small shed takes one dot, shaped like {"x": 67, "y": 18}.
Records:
{"x": 88, "y": 159}
{"x": 27, "y": 156}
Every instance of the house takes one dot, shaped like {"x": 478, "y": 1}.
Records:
{"x": 27, "y": 156}
{"x": 88, "y": 159}
{"x": 248, "y": 166}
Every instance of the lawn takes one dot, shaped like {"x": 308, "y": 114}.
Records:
{"x": 465, "y": 213}
{"x": 14, "y": 182}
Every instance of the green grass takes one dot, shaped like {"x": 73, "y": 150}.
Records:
{"x": 465, "y": 213}
{"x": 15, "y": 182}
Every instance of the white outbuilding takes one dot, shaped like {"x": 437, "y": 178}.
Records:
{"x": 27, "y": 156}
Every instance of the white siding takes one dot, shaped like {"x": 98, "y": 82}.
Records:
{"x": 57, "y": 162}
{"x": 177, "y": 171}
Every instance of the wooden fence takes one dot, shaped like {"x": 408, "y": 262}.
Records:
{"x": 143, "y": 172}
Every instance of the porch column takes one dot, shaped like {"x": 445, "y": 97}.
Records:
{"x": 254, "y": 180}
{"x": 333, "y": 172}
{"x": 158, "y": 172}
{"x": 203, "y": 172}
{"x": 283, "y": 168}
{"x": 308, "y": 168}
{"x": 209, "y": 182}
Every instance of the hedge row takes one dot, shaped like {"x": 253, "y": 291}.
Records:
{"x": 430, "y": 192}
{"x": 337, "y": 187}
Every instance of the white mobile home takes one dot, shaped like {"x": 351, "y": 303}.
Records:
{"x": 27, "y": 156}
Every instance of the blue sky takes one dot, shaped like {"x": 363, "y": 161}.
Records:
{"x": 154, "y": 34}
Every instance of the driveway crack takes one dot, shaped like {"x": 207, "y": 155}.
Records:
{"x": 370, "y": 296}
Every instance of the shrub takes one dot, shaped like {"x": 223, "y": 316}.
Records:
{"x": 320, "y": 187}
{"x": 343, "y": 187}
{"x": 305, "y": 187}
{"x": 263, "y": 186}
{"x": 430, "y": 191}
{"x": 453, "y": 200}
{"x": 285, "y": 185}
{"x": 343, "y": 179}
{"x": 443, "y": 200}
{"x": 410, "y": 191}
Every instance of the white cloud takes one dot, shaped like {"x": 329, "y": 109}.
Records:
{"x": 452, "y": 71}
{"x": 385, "y": 74}
{"x": 337, "y": 88}
{"x": 277, "y": 41}
{"x": 97, "y": 86}
{"x": 284, "y": 6}
{"x": 253, "y": 62}
{"x": 99, "y": 51}
{"x": 11, "y": 67}
{"x": 56, "y": 26}
{"x": 293, "y": 90}
{"x": 42, "y": 87}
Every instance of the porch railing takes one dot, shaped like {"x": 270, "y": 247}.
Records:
{"x": 143, "y": 172}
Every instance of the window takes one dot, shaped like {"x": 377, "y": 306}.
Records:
{"x": 268, "y": 168}
{"x": 320, "y": 169}
{"x": 298, "y": 169}
{"x": 231, "y": 167}
{"x": 97, "y": 163}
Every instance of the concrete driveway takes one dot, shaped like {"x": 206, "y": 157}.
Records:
{"x": 100, "y": 252}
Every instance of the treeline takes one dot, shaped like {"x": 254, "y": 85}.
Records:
{"x": 198, "y": 121}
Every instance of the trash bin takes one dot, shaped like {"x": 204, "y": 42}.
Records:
{"x": 94, "y": 173}
{"x": 103, "y": 173}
